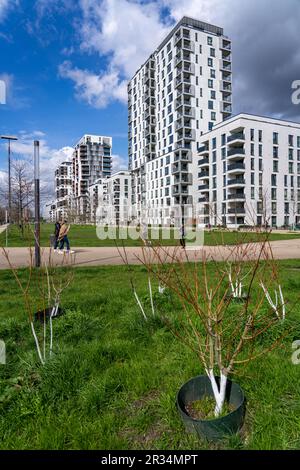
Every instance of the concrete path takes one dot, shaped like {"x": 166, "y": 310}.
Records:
{"x": 284, "y": 249}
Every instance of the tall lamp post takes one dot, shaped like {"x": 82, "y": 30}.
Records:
{"x": 37, "y": 248}
{"x": 9, "y": 138}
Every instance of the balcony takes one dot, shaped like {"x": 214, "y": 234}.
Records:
{"x": 204, "y": 162}
{"x": 183, "y": 123}
{"x": 182, "y": 57}
{"x": 186, "y": 90}
{"x": 184, "y": 178}
{"x": 203, "y": 188}
{"x": 186, "y": 67}
{"x": 188, "y": 46}
{"x": 236, "y": 168}
{"x": 236, "y": 153}
{"x": 182, "y": 79}
{"x": 203, "y": 150}
{"x": 225, "y": 46}
{"x": 186, "y": 134}
{"x": 179, "y": 190}
{"x": 203, "y": 174}
{"x": 179, "y": 167}
{"x": 236, "y": 197}
{"x": 182, "y": 101}
{"x": 183, "y": 155}
{"x": 181, "y": 35}
{"x": 187, "y": 112}
{"x": 236, "y": 182}
{"x": 225, "y": 88}
{"x": 182, "y": 144}
{"x": 226, "y": 108}
{"x": 237, "y": 211}
{"x": 225, "y": 65}
{"x": 236, "y": 138}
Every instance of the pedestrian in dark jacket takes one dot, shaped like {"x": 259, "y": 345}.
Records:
{"x": 56, "y": 234}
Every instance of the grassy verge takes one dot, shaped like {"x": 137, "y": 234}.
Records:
{"x": 86, "y": 236}
{"x": 113, "y": 379}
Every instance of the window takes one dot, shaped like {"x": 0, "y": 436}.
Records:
{"x": 209, "y": 40}
{"x": 291, "y": 154}
{"x": 212, "y": 73}
{"x": 212, "y": 94}
{"x": 291, "y": 140}
{"x": 210, "y": 62}
{"x": 252, "y": 192}
{"x": 275, "y": 152}
{"x": 275, "y": 166}
{"x": 273, "y": 180}
{"x": 274, "y": 194}
{"x": 275, "y": 138}
{"x": 212, "y": 52}
{"x": 252, "y": 150}
{"x": 252, "y": 134}
{"x": 210, "y": 105}
{"x": 260, "y": 150}
{"x": 223, "y": 139}
{"x": 298, "y": 141}
{"x": 214, "y": 143}
{"x": 252, "y": 164}
{"x": 291, "y": 167}
{"x": 260, "y": 136}
{"x": 210, "y": 83}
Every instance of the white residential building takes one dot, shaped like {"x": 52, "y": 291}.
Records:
{"x": 63, "y": 190}
{"x": 178, "y": 94}
{"x": 249, "y": 173}
{"x": 91, "y": 161}
{"x": 111, "y": 197}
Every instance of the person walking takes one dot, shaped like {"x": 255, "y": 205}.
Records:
{"x": 182, "y": 236}
{"x": 56, "y": 235}
{"x": 63, "y": 237}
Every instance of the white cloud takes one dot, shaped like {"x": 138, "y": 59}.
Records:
{"x": 119, "y": 163}
{"x": 5, "y": 6}
{"x": 50, "y": 158}
{"x": 123, "y": 31}
{"x": 96, "y": 90}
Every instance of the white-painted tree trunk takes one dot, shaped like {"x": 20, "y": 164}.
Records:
{"x": 219, "y": 391}
{"x": 53, "y": 314}
{"x": 37, "y": 343}
{"x": 151, "y": 296}
{"x": 274, "y": 305}
{"x": 140, "y": 305}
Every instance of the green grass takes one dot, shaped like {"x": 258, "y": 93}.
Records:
{"x": 113, "y": 379}
{"x": 86, "y": 236}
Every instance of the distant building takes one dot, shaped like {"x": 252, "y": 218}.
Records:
{"x": 63, "y": 190}
{"x": 249, "y": 173}
{"x": 91, "y": 161}
{"x": 111, "y": 197}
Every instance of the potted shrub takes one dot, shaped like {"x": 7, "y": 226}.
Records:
{"x": 224, "y": 334}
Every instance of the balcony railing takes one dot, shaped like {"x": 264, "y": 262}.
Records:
{"x": 237, "y": 136}
{"x": 236, "y": 181}
{"x": 237, "y": 151}
{"x": 237, "y": 166}
{"x": 237, "y": 210}
{"x": 236, "y": 197}
{"x": 203, "y": 149}
{"x": 203, "y": 187}
{"x": 204, "y": 161}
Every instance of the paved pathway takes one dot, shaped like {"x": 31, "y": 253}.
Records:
{"x": 284, "y": 249}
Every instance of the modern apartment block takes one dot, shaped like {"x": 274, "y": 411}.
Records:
{"x": 91, "y": 161}
{"x": 179, "y": 93}
{"x": 111, "y": 194}
{"x": 63, "y": 190}
{"x": 249, "y": 173}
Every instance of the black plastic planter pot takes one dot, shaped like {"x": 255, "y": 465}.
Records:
{"x": 214, "y": 429}
{"x": 41, "y": 315}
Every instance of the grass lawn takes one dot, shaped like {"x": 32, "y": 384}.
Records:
{"x": 85, "y": 236}
{"x": 113, "y": 379}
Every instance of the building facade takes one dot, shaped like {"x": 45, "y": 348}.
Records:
{"x": 63, "y": 190}
{"x": 91, "y": 161}
{"x": 249, "y": 173}
{"x": 181, "y": 91}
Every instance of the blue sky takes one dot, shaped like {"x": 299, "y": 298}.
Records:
{"x": 66, "y": 64}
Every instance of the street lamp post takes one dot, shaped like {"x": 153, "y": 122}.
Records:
{"x": 37, "y": 247}
{"x": 9, "y": 138}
